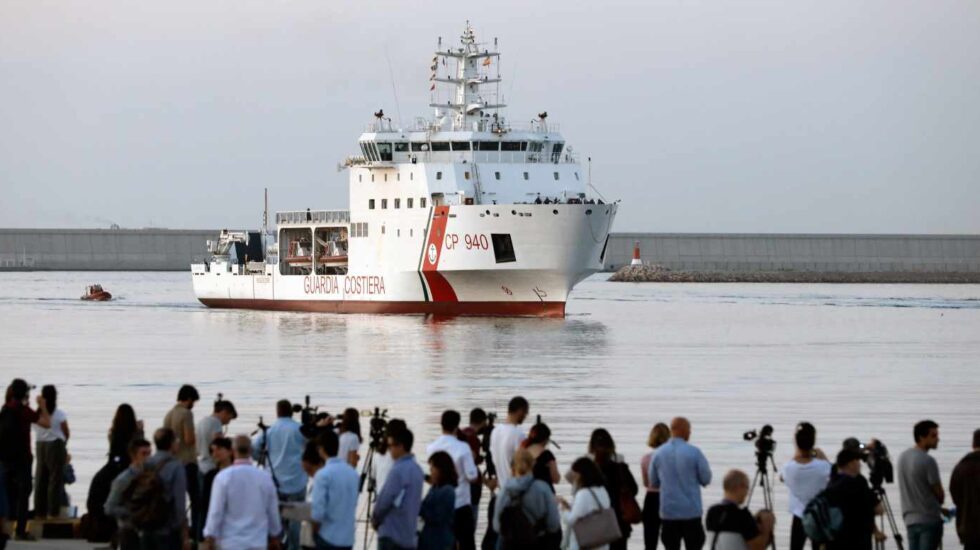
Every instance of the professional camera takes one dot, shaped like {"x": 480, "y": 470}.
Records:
{"x": 764, "y": 443}
{"x": 876, "y": 455}
{"x": 311, "y": 419}
{"x": 379, "y": 425}
{"x": 491, "y": 469}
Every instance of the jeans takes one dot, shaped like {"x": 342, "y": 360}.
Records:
{"x": 291, "y": 528}
{"x": 49, "y": 476}
{"x": 925, "y": 536}
{"x": 673, "y": 531}
{"x": 651, "y": 520}
{"x": 464, "y": 528}
{"x": 324, "y": 545}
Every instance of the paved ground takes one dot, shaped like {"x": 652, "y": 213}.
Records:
{"x": 53, "y": 545}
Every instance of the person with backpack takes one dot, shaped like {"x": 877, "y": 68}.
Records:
{"x": 590, "y": 497}
{"x": 805, "y": 476}
{"x": 127, "y": 538}
{"x": 16, "y": 418}
{"x": 856, "y": 503}
{"x": 158, "y": 497}
{"x": 733, "y": 527}
{"x": 526, "y": 513}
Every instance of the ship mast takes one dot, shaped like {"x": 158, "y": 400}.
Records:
{"x": 470, "y": 99}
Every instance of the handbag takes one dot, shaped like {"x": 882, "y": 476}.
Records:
{"x": 628, "y": 506}
{"x": 597, "y": 528}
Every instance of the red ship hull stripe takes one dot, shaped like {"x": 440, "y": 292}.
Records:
{"x": 439, "y": 287}
{"x": 504, "y": 309}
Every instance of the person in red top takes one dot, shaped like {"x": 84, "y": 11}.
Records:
{"x": 471, "y": 436}
{"x": 16, "y": 418}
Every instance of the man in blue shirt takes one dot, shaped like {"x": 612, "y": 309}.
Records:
{"x": 679, "y": 470}
{"x": 334, "y": 498}
{"x": 285, "y": 451}
{"x": 397, "y": 510}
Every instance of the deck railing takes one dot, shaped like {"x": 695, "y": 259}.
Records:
{"x": 312, "y": 216}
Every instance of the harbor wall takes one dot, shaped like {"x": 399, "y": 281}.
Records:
{"x": 816, "y": 253}
{"x": 175, "y": 249}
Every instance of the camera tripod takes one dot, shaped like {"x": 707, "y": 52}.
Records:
{"x": 263, "y": 460}
{"x": 762, "y": 479}
{"x": 368, "y": 476}
{"x": 889, "y": 516}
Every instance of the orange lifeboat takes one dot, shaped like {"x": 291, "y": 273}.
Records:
{"x": 95, "y": 293}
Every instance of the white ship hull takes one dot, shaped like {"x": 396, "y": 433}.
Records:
{"x": 450, "y": 265}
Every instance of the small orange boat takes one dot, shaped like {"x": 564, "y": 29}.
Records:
{"x": 95, "y": 293}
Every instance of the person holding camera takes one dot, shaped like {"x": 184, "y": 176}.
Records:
{"x": 805, "y": 476}
{"x": 921, "y": 489}
{"x": 397, "y": 509}
{"x": 733, "y": 527}
{"x": 283, "y": 443}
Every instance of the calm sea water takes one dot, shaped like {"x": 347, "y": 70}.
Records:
{"x": 856, "y": 360}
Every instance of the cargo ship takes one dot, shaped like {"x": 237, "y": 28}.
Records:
{"x": 464, "y": 213}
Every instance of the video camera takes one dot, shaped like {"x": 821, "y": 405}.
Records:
{"x": 875, "y": 455}
{"x": 378, "y": 428}
{"x": 764, "y": 443}
{"x": 310, "y": 418}
{"x": 491, "y": 469}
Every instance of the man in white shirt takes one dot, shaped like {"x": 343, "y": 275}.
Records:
{"x": 244, "y": 510}
{"x": 507, "y": 437}
{"x": 464, "y": 526}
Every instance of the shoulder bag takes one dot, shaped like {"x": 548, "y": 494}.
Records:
{"x": 597, "y": 528}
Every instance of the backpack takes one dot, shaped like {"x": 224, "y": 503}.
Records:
{"x": 516, "y": 529}
{"x": 821, "y": 520}
{"x": 147, "y": 500}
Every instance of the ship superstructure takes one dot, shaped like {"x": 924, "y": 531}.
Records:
{"x": 464, "y": 213}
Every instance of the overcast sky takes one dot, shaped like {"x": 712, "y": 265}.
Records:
{"x": 728, "y": 116}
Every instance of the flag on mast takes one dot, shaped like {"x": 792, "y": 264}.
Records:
{"x": 486, "y": 62}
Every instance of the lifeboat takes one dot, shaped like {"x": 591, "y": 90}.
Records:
{"x": 95, "y": 293}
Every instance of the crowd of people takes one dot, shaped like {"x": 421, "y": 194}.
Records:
{"x": 304, "y": 484}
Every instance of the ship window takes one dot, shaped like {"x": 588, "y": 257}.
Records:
{"x": 496, "y": 175}
{"x": 411, "y": 176}
{"x": 461, "y": 146}
{"x": 398, "y": 176}
{"x": 398, "y": 203}
{"x": 440, "y": 145}
{"x": 386, "y": 177}
{"x": 408, "y": 202}
{"x": 422, "y": 202}
{"x": 419, "y": 147}
{"x": 372, "y": 178}
{"x": 363, "y": 150}
{"x": 556, "y": 176}
{"x": 503, "y": 248}
{"x": 382, "y": 230}
{"x": 576, "y": 176}
{"x": 384, "y": 206}
{"x": 364, "y": 229}
{"x": 401, "y": 147}
{"x": 466, "y": 175}
{"x": 373, "y": 149}
{"x": 526, "y": 176}
{"x": 556, "y": 152}
{"x": 360, "y": 177}
{"x": 370, "y": 204}
{"x": 384, "y": 149}
{"x": 511, "y": 145}
{"x": 535, "y": 146}
{"x": 438, "y": 175}
{"x": 488, "y": 145}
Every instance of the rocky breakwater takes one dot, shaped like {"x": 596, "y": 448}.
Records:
{"x": 652, "y": 273}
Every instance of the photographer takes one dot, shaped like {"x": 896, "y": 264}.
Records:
{"x": 733, "y": 527}
{"x": 922, "y": 489}
{"x": 851, "y": 493}
{"x": 805, "y": 476}
{"x": 283, "y": 443}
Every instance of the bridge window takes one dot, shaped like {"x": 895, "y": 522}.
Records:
{"x": 408, "y": 202}
{"x": 461, "y": 146}
{"x": 556, "y": 152}
{"x": 440, "y": 145}
{"x": 370, "y": 204}
{"x": 416, "y": 147}
{"x": 384, "y": 204}
{"x": 401, "y": 147}
{"x": 535, "y": 146}
{"x": 513, "y": 145}
{"x": 488, "y": 145}
{"x": 384, "y": 150}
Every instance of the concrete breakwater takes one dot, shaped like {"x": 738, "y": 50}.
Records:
{"x": 775, "y": 255}
{"x": 660, "y": 274}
